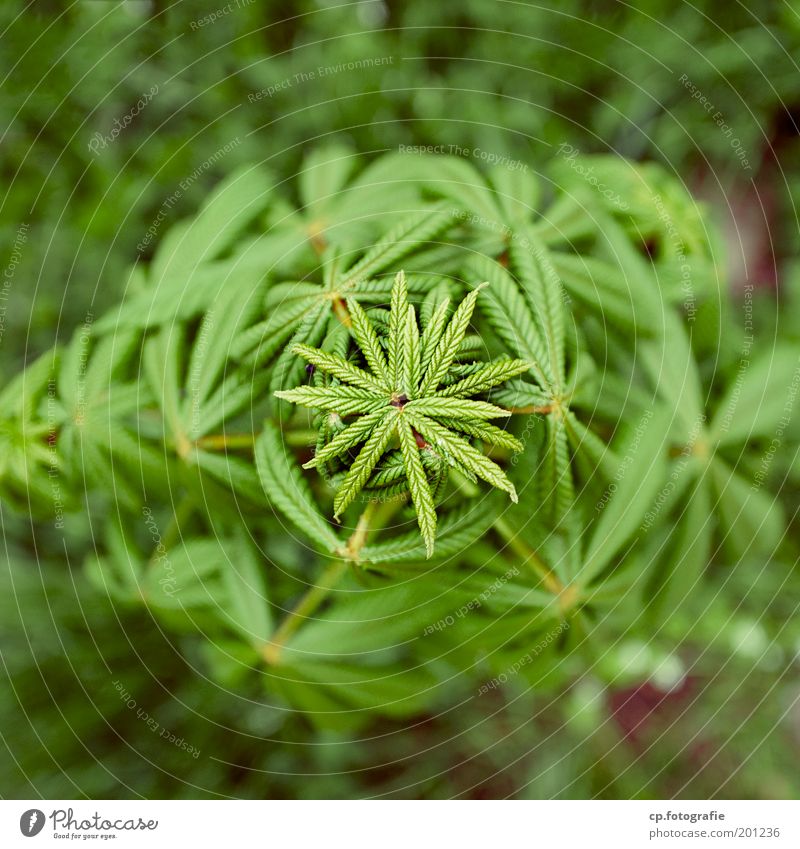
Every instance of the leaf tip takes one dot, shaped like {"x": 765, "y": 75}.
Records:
{"x": 428, "y": 535}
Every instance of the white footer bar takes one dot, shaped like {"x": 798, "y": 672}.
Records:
{"x": 401, "y": 824}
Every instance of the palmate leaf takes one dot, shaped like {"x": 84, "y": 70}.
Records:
{"x": 511, "y": 318}
{"x": 418, "y": 228}
{"x": 351, "y": 436}
{"x": 214, "y": 388}
{"x": 299, "y": 311}
{"x": 339, "y": 368}
{"x": 636, "y": 485}
{"x": 758, "y": 399}
{"x": 25, "y": 458}
{"x": 227, "y": 210}
{"x": 367, "y": 339}
{"x": 399, "y": 400}
{"x": 456, "y": 531}
{"x": 486, "y": 378}
{"x": 350, "y": 392}
{"x": 482, "y": 430}
{"x": 751, "y": 520}
{"x": 418, "y": 484}
{"x": 452, "y": 178}
{"x": 446, "y": 350}
{"x": 459, "y": 452}
{"x": 186, "y": 274}
{"x": 412, "y": 365}
{"x": 433, "y": 332}
{"x": 542, "y": 286}
{"x": 325, "y": 172}
{"x": 517, "y": 193}
{"x": 365, "y": 462}
{"x": 93, "y": 418}
{"x": 344, "y": 400}
{"x": 397, "y": 313}
{"x": 287, "y": 489}
{"x": 459, "y": 407}
{"x": 196, "y": 385}
{"x": 217, "y": 581}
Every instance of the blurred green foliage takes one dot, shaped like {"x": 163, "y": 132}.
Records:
{"x": 510, "y": 80}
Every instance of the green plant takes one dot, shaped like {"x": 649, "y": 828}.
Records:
{"x": 705, "y": 590}
{"x": 417, "y": 394}
{"x": 178, "y": 419}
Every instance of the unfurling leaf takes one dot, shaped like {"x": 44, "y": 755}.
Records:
{"x": 395, "y": 398}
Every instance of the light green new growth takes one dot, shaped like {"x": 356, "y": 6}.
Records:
{"x": 411, "y": 397}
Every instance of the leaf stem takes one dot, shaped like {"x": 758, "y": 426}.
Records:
{"x": 359, "y": 535}
{"x": 330, "y": 577}
{"x": 549, "y": 579}
{"x": 223, "y": 441}
{"x": 341, "y": 311}
{"x": 533, "y": 408}
{"x": 304, "y": 610}
{"x": 301, "y": 438}
{"x": 567, "y": 595}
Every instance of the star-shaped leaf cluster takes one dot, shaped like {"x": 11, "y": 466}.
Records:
{"x": 411, "y": 407}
